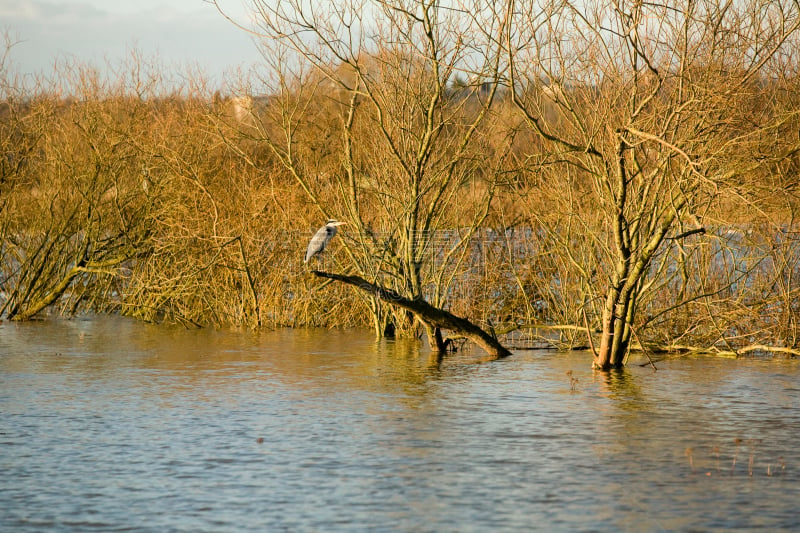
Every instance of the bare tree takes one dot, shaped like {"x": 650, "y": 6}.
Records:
{"x": 75, "y": 211}
{"x": 380, "y": 123}
{"x": 646, "y": 114}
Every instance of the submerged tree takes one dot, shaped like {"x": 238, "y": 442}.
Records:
{"x": 647, "y": 114}
{"x": 73, "y": 211}
{"x": 379, "y": 114}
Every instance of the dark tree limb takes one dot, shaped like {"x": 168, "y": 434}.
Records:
{"x": 438, "y": 318}
{"x": 688, "y": 233}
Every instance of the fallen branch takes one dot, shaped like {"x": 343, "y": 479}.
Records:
{"x": 556, "y": 327}
{"x": 756, "y": 348}
{"x": 429, "y": 314}
{"x": 713, "y": 350}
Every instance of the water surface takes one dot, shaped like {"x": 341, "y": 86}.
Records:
{"x": 110, "y": 424}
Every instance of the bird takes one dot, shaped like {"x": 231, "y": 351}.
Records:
{"x": 321, "y": 238}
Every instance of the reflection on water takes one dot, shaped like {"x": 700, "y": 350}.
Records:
{"x": 109, "y": 424}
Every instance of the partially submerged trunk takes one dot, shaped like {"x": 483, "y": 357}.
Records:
{"x": 435, "y": 319}
{"x": 616, "y": 334}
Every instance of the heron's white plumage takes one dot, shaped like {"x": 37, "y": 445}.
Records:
{"x": 321, "y": 239}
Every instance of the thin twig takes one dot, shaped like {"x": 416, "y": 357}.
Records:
{"x": 644, "y": 350}
{"x": 589, "y": 332}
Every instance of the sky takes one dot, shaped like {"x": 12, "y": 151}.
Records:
{"x": 177, "y": 33}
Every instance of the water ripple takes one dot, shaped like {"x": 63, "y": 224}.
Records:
{"x": 112, "y": 425}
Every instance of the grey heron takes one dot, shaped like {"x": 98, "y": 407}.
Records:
{"x": 321, "y": 239}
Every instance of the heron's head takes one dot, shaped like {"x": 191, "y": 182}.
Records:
{"x": 332, "y": 222}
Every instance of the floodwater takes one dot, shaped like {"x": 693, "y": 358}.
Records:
{"x": 109, "y": 424}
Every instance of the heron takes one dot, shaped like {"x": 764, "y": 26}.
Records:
{"x": 321, "y": 238}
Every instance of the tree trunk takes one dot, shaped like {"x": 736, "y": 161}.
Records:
{"x": 47, "y": 299}
{"x": 615, "y": 338}
{"x": 433, "y": 317}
